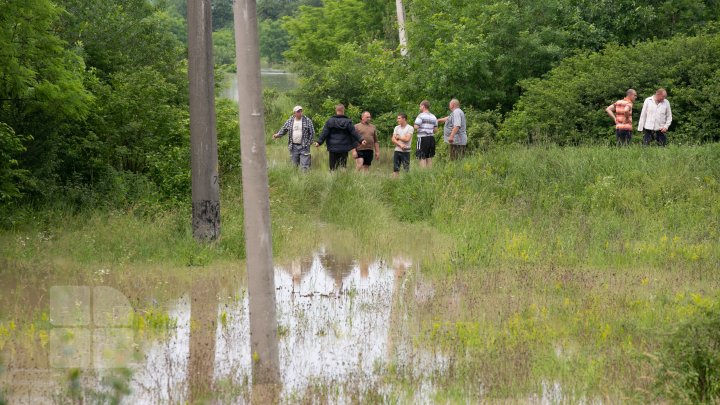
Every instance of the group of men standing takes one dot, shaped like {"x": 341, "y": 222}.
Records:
{"x": 342, "y": 137}
{"x": 655, "y": 118}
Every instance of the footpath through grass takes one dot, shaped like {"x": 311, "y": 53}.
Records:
{"x": 567, "y": 265}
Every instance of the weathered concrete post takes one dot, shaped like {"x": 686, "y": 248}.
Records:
{"x": 256, "y": 200}
{"x": 203, "y": 132}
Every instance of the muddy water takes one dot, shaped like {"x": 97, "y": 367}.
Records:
{"x": 340, "y": 322}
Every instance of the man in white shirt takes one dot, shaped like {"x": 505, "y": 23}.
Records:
{"x": 401, "y": 138}
{"x": 655, "y": 118}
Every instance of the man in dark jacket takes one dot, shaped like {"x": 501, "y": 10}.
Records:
{"x": 341, "y": 137}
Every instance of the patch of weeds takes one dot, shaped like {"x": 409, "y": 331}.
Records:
{"x": 112, "y": 388}
{"x": 153, "y": 319}
{"x": 224, "y": 319}
{"x": 689, "y": 363}
{"x": 283, "y": 331}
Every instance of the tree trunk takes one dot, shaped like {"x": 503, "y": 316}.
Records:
{"x": 256, "y": 201}
{"x": 401, "y": 27}
{"x": 203, "y": 132}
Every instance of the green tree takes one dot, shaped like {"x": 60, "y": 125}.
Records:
{"x": 42, "y": 90}
{"x": 273, "y": 41}
{"x": 224, "y": 49}
{"x": 222, "y": 14}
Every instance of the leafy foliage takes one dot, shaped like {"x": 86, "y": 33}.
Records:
{"x": 273, "y": 41}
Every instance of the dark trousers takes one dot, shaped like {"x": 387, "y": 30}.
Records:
{"x": 338, "y": 159}
{"x": 457, "y": 151}
{"x": 624, "y": 136}
{"x": 657, "y": 136}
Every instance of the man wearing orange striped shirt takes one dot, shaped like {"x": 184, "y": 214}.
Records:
{"x": 621, "y": 112}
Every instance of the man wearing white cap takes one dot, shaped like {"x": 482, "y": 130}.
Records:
{"x": 302, "y": 134}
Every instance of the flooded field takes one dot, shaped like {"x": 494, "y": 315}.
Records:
{"x": 499, "y": 292}
{"x": 338, "y": 320}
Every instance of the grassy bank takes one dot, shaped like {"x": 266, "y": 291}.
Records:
{"x": 598, "y": 207}
{"x": 550, "y": 266}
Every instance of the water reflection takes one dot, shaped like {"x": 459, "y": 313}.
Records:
{"x": 340, "y": 320}
{"x": 203, "y": 334}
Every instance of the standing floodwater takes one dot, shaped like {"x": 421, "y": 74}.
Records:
{"x": 337, "y": 318}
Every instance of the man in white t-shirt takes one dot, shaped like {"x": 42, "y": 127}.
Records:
{"x": 426, "y": 124}
{"x": 302, "y": 134}
{"x": 401, "y": 138}
{"x": 655, "y": 118}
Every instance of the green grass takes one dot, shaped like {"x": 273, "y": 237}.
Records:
{"x": 549, "y": 265}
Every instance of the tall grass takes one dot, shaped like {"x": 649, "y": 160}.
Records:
{"x": 593, "y": 206}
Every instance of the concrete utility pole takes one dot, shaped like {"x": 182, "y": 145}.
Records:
{"x": 401, "y": 27}
{"x": 203, "y": 132}
{"x": 256, "y": 199}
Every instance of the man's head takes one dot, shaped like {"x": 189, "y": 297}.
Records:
{"x": 424, "y": 106}
{"x": 402, "y": 119}
{"x": 298, "y": 112}
{"x": 454, "y": 103}
{"x": 340, "y": 109}
{"x": 365, "y": 117}
{"x": 660, "y": 95}
{"x": 631, "y": 94}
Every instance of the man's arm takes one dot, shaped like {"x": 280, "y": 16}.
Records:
{"x": 394, "y": 139}
{"x": 377, "y": 145}
{"x": 355, "y": 134}
{"x": 284, "y": 130}
{"x": 442, "y": 120}
{"x": 457, "y": 123}
{"x": 323, "y": 135}
{"x": 611, "y": 111}
{"x": 643, "y": 117}
{"x": 668, "y": 118}
{"x": 311, "y": 128}
{"x": 359, "y": 139}
{"x": 405, "y": 138}
{"x": 454, "y": 131}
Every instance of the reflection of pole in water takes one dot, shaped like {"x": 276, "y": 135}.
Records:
{"x": 399, "y": 304}
{"x": 203, "y": 330}
{"x": 256, "y": 201}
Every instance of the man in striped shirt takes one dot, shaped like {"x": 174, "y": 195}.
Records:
{"x": 621, "y": 112}
{"x": 426, "y": 124}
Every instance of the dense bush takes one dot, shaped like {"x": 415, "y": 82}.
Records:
{"x": 568, "y": 105}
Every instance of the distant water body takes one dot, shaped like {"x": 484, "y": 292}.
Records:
{"x": 280, "y": 80}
